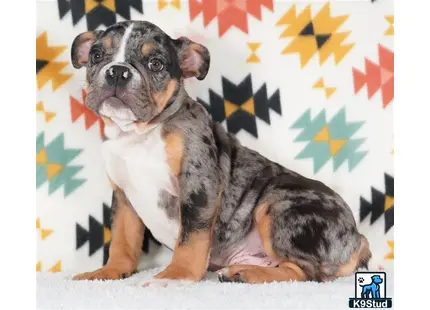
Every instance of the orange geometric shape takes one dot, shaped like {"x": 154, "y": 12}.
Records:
{"x": 229, "y": 13}
{"x": 77, "y": 109}
{"x": 377, "y": 76}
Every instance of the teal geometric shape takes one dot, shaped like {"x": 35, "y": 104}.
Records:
{"x": 339, "y": 129}
{"x": 56, "y": 153}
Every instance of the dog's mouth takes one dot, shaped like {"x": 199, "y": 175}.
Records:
{"x": 119, "y": 113}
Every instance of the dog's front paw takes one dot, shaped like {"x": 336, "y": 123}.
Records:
{"x": 102, "y": 274}
{"x": 177, "y": 272}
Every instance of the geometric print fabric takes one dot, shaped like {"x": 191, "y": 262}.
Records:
{"x": 308, "y": 84}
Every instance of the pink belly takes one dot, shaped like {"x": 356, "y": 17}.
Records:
{"x": 249, "y": 252}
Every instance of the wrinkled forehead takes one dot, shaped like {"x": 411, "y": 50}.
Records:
{"x": 129, "y": 39}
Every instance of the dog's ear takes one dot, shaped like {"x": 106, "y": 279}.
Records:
{"x": 194, "y": 58}
{"x": 81, "y": 47}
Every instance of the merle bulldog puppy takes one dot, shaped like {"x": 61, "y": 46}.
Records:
{"x": 217, "y": 204}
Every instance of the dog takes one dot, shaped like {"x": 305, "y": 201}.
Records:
{"x": 372, "y": 288}
{"x": 216, "y": 204}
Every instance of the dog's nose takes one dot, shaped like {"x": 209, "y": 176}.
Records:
{"x": 118, "y": 75}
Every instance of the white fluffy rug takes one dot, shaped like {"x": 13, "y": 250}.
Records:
{"x": 57, "y": 291}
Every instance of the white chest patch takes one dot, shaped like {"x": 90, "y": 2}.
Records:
{"x": 137, "y": 164}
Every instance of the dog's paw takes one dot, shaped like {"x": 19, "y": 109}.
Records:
{"x": 157, "y": 283}
{"x": 102, "y": 274}
{"x": 174, "y": 272}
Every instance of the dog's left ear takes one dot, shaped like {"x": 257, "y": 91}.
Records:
{"x": 81, "y": 47}
{"x": 194, "y": 58}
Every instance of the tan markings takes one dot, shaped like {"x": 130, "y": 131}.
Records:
{"x": 263, "y": 222}
{"x": 107, "y": 121}
{"x": 107, "y": 43}
{"x": 147, "y": 48}
{"x": 189, "y": 260}
{"x": 362, "y": 254}
{"x": 162, "y": 98}
{"x": 126, "y": 245}
{"x": 174, "y": 146}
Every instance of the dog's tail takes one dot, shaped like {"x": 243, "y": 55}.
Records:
{"x": 364, "y": 254}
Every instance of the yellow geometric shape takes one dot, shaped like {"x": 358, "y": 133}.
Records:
{"x": 335, "y": 146}
{"x": 390, "y": 255}
{"x": 329, "y": 91}
{"x": 107, "y": 235}
{"x": 110, "y": 4}
{"x": 39, "y": 266}
{"x": 323, "y": 24}
{"x": 305, "y": 46}
{"x": 248, "y": 106}
{"x": 323, "y": 135}
{"x": 45, "y": 52}
{"x": 90, "y": 5}
{"x": 39, "y": 107}
{"x": 163, "y": 3}
{"x": 56, "y": 267}
{"x": 230, "y": 108}
{"x": 390, "y": 30}
{"x": 52, "y": 70}
{"x": 45, "y": 233}
{"x": 253, "y": 58}
{"x": 41, "y": 157}
{"x": 48, "y": 115}
{"x": 389, "y": 202}
{"x": 53, "y": 170}
{"x": 319, "y": 83}
{"x": 334, "y": 47}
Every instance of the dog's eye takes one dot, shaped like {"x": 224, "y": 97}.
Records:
{"x": 96, "y": 57}
{"x": 155, "y": 65}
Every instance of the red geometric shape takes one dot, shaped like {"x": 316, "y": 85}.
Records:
{"x": 77, "y": 109}
{"x": 377, "y": 76}
{"x": 229, "y": 12}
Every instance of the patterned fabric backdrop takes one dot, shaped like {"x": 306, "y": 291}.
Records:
{"x": 309, "y": 84}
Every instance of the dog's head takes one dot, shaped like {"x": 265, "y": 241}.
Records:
{"x": 134, "y": 70}
{"x": 377, "y": 279}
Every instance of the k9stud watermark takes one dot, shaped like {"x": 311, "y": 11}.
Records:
{"x": 370, "y": 291}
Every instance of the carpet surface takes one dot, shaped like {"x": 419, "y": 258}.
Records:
{"x": 57, "y": 291}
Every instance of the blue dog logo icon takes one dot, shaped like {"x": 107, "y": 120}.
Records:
{"x": 371, "y": 290}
